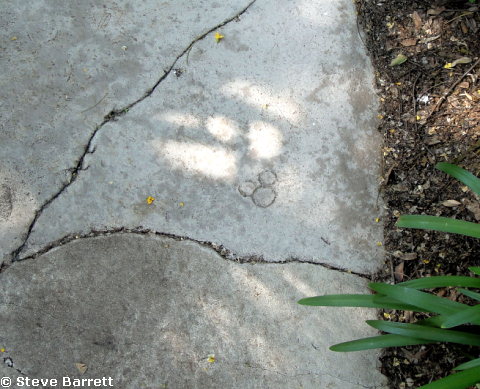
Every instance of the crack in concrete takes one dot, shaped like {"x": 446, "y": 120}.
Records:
{"x": 221, "y": 250}
{"x": 308, "y": 372}
{"x": 8, "y": 361}
{"x": 112, "y": 116}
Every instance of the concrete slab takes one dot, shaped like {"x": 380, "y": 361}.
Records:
{"x": 264, "y": 142}
{"x": 149, "y": 311}
{"x": 65, "y": 65}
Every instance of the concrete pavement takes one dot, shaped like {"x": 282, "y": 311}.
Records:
{"x": 174, "y": 177}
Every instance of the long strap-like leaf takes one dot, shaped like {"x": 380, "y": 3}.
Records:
{"x": 424, "y": 332}
{"x": 420, "y": 299}
{"x": 437, "y": 223}
{"x": 460, "y": 174}
{"x": 461, "y": 380}
{"x": 357, "y": 300}
{"x": 381, "y": 341}
{"x": 442, "y": 281}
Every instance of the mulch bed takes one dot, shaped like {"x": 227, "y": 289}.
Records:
{"x": 429, "y": 113}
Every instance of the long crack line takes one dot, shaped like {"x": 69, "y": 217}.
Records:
{"x": 113, "y": 115}
{"x": 221, "y": 250}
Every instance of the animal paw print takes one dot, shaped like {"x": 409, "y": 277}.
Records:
{"x": 261, "y": 192}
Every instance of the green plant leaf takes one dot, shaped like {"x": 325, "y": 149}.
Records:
{"x": 460, "y": 174}
{"x": 426, "y": 301}
{"x": 437, "y": 223}
{"x": 468, "y": 315}
{"x": 398, "y": 60}
{"x": 469, "y": 364}
{"x": 469, "y": 293}
{"x": 424, "y": 332}
{"x": 461, "y": 380}
{"x": 442, "y": 281}
{"x": 356, "y": 300}
{"x": 475, "y": 269}
{"x": 381, "y": 341}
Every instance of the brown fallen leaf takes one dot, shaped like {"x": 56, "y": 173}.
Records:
{"x": 464, "y": 85}
{"x": 451, "y": 203}
{"x": 415, "y": 358}
{"x": 433, "y": 140}
{"x": 81, "y": 367}
{"x": 409, "y": 256}
{"x": 435, "y": 11}
{"x": 417, "y": 20}
{"x": 398, "y": 273}
{"x": 409, "y": 42}
{"x": 474, "y": 208}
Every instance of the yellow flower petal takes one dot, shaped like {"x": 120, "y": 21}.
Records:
{"x": 211, "y": 358}
{"x": 448, "y": 65}
{"x": 150, "y": 200}
{"x": 379, "y": 244}
{"x": 377, "y": 219}
{"x": 181, "y": 203}
{"x": 2, "y": 350}
{"x": 218, "y": 37}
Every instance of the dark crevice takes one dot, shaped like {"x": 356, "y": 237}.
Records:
{"x": 221, "y": 250}
{"x": 111, "y": 116}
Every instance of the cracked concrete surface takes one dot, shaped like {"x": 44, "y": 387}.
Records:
{"x": 64, "y": 72}
{"x": 259, "y": 149}
{"x": 169, "y": 309}
{"x": 222, "y": 121}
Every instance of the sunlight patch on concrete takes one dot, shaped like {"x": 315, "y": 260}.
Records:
{"x": 265, "y": 140}
{"x": 262, "y": 98}
{"x": 180, "y": 119}
{"x": 222, "y": 128}
{"x": 210, "y": 161}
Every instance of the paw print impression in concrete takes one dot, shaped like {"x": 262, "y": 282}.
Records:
{"x": 262, "y": 192}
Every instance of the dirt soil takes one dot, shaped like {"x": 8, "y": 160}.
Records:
{"x": 430, "y": 113}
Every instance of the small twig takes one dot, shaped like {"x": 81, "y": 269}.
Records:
{"x": 442, "y": 99}
{"x": 414, "y": 97}
{"x": 460, "y": 16}
{"x": 99, "y": 101}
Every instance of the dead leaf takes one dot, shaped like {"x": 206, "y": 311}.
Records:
{"x": 409, "y": 42}
{"x": 451, "y": 203}
{"x": 457, "y": 61}
{"x": 415, "y": 358}
{"x": 398, "y": 60}
{"x": 435, "y": 11}
{"x": 398, "y": 273}
{"x": 409, "y": 256}
{"x": 417, "y": 20}
{"x": 474, "y": 208}
{"x": 462, "y": 60}
{"x": 433, "y": 140}
{"x": 464, "y": 85}
{"x": 431, "y": 39}
{"x": 81, "y": 367}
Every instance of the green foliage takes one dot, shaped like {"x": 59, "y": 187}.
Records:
{"x": 446, "y": 316}
{"x": 444, "y": 224}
